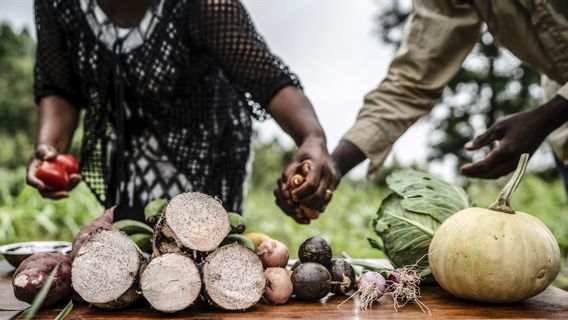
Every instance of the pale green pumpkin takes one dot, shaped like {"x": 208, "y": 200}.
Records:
{"x": 495, "y": 255}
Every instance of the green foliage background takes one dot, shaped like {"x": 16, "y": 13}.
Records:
{"x": 25, "y": 215}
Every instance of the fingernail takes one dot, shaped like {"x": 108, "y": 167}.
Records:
{"x": 469, "y": 144}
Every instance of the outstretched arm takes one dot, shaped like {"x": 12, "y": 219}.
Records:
{"x": 438, "y": 37}
{"x": 347, "y": 156}
{"x": 57, "y": 120}
{"x": 223, "y": 29}
{"x": 520, "y": 133}
{"x": 294, "y": 113}
{"x": 56, "y": 95}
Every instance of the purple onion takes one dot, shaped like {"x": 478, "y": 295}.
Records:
{"x": 372, "y": 286}
{"x": 373, "y": 280}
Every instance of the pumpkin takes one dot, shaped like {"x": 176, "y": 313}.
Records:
{"x": 495, "y": 255}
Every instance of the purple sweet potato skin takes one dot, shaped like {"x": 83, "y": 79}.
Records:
{"x": 33, "y": 272}
{"x": 103, "y": 222}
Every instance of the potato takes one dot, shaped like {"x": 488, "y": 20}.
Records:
{"x": 273, "y": 253}
{"x": 278, "y": 286}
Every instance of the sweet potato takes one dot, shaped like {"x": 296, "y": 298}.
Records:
{"x": 33, "y": 272}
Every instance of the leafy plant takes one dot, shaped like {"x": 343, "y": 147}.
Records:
{"x": 409, "y": 216}
{"x": 65, "y": 312}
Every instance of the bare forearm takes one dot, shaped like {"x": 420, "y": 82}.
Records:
{"x": 295, "y": 115}
{"x": 554, "y": 113}
{"x": 347, "y": 156}
{"x": 57, "y": 121}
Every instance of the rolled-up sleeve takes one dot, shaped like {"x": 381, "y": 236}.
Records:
{"x": 558, "y": 139}
{"x": 563, "y": 91}
{"x": 438, "y": 37}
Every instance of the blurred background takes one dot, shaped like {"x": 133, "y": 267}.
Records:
{"x": 340, "y": 50}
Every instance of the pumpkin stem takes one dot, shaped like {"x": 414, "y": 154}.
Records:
{"x": 503, "y": 202}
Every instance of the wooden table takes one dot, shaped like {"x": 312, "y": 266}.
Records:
{"x": 551, "y": 304}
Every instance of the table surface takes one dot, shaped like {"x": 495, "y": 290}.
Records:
{"x": 550, "y": 304}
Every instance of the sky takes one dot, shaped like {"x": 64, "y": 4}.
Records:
{"x": 331, "y": 45}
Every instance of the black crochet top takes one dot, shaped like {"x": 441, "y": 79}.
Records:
{"x": 167, "y": 105}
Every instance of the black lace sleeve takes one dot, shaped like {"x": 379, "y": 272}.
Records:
{"x": 225, "y": 31}
{"x": 53, "y": 72}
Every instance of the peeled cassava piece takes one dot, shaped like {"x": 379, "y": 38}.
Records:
{"x": 495, "y": 255}
{"x": 170, "y": 282}
{"x": 105, "y": 270}
{"x": 33, "y": 272}
{"x": 233, "y": 277}
{"x": 191, "y": 222}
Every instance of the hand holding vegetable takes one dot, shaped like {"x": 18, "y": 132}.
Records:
{"x": 57, "y": 120}
{"x": 520, "y": 133}
{"x": 294, "y": 113}
{"x": 312, "y": 164}
{"x": 53, "y": 174}
{"x": 300, "y": 211}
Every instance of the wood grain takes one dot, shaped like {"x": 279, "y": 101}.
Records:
{"x": 551, "y": 304}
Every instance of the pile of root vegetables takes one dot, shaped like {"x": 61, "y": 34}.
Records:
{"x": 195, "y": 252}
{"x": 107, "y": 269}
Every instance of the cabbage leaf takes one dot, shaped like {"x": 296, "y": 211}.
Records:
{"x": 409, "y": 216}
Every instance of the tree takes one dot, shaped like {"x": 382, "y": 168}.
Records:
{"x": 490, "y": 85}
{"x": 17, "y": 108}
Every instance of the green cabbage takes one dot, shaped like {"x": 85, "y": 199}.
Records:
{"x": 409, "y": 216}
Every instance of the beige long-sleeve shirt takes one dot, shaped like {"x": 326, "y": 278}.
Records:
{"x": 438, "y": 37}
